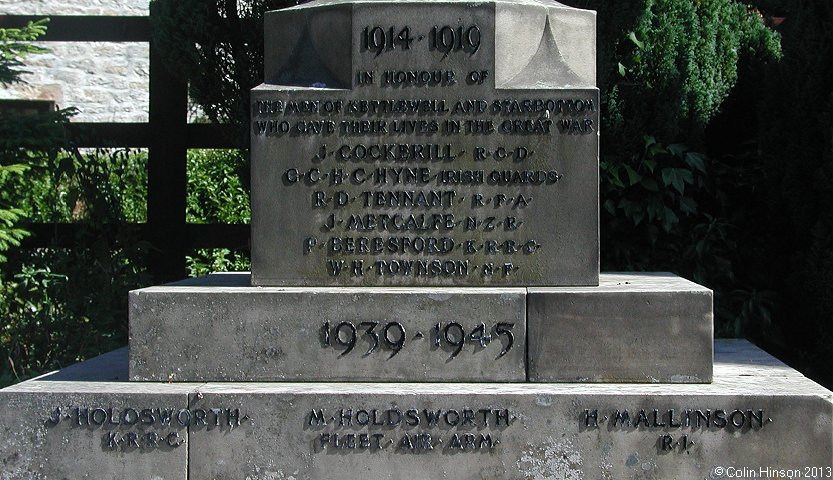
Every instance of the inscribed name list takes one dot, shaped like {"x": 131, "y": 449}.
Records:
{"x": 414, "y": 168}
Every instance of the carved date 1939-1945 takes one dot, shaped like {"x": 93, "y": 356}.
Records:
{"x": 392, "y": 336}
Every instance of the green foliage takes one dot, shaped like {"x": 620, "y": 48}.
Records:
{"x": 215, "y": 192}
{"x": 21, "y": 135}
{"x": 25, "y": 136}
{"x": 651, "y": 209}
{"x": 690, "y": 64}
{"x": 217, "y": 46}
{"x": 653, "y": 190}
{"x": 62, "y": 305}
{"x": 210, "y": 260}
{"x": 217, "y": 195}
{"x": 10, "y": 234}
{"x": 15, "y": 46}
{"x": 667, "y": 209}
{"x": 70, "y": 186}
{"x": 796, "y": 145}
{"x": 666, "y": 66}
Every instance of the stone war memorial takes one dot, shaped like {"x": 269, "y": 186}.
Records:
{"x": 425, "y": 298}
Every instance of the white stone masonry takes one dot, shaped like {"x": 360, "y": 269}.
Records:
{"x": 107, "y": 82}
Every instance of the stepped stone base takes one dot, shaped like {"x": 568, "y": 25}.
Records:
{"x": 649, "y": 328}
{"x": 87, "y": 422}
{"x": 633, "y": 327}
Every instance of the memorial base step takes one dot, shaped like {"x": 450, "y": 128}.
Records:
{"x": 633, "y": 327}
{"x": 87, "y": 421}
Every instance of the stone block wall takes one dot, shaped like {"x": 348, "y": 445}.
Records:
{"x": 107, "y": 82}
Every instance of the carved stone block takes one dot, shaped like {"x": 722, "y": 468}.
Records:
{"x": 633, "y": 327}
{"x": 218, "y": 328}
{"x": 758, "y": 415}
{"x": 426, "y": 144}
{"x": 86, "y": 422}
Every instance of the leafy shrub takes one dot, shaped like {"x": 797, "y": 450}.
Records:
{"x": 666, "y": 68}
{"x": 216, "y": 194}
{"x": 61, "y": 305}
{"x": 15, "y": 46}
{"x": 210, "y": 260}
{"x": 98, "y": 186}
{"x": 218, "y": 48}
{"x": 795, "y": 145}
{"x": 19, "y": 133}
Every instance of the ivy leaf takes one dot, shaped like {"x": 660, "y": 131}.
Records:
{"x": 696, "y": 160}
{"x": 613, "y": 177}
{"x": 669, "y": 219}
{"x": 650, "y": 184}
{"x": 638, "y": 215}
{"x": 688, "y": 205}
{"x": 633, "y": 177}
{"x": 677, "y": 178}
{"x": 610, "y": 207}
{"x": 632, "y": 38}
{"x": 677, "y": 149}
{"x": 622, "y": 70}
{"x": 652, "y": 147}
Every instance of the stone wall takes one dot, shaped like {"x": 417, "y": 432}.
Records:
{"x": 107, "y": 82}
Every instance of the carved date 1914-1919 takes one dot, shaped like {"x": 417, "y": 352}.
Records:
{"x": 444, "y": 39}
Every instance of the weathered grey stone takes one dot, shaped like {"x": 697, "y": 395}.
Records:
{"x": 217, "y": 328}
{"x": 633, "y": 327}
{"x": 353, "y": 133}
{"x": 274, "y": 430}
{"x": 784, "y": 422}
{"x": 40, "y": 435}
{"x": 645, "y": 328}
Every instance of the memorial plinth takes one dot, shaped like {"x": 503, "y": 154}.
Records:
{"x": 326, "y": 334}
{"x": 425, "y": 298}
{"x": 758, "y": 414}
{"x": 648, "y": 328}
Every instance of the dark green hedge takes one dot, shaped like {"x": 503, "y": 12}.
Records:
{"x": 795, "y": 141}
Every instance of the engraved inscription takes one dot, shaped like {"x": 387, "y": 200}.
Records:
{"x": 450, "y": 337}
{"x": 148, "y": 428}
{"x": 426, "y": 173}
{"x": 408, "y": 430}
{"x": 679, "y": 427}
{"x": 444, "y": 39}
